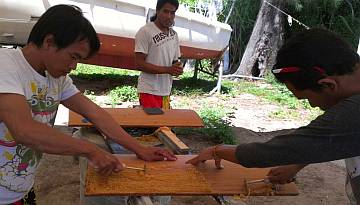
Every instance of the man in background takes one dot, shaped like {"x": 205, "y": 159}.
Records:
{"x": 157, "y": 52}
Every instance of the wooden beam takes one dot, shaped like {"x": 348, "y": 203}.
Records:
{"x": 169, "y": 139}
{"x": 141, "y": 200}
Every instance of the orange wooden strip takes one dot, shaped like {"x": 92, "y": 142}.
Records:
{"x": 170, "y": 136}
{"x": 135, "y": 117}
{"x": 178, "y": 178}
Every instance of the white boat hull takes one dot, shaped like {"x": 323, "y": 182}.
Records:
{"x": 116, "y": 22}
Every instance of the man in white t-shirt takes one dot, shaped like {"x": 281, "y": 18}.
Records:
{"x": 33, "y": 82}
{"x": 157, "y": 52}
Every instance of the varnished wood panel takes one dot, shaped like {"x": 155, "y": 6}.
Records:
{"x": 178, "y": 178}
{"x": 135, "y": 117}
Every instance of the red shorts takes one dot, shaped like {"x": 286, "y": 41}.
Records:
{"x": 149, "y": 100}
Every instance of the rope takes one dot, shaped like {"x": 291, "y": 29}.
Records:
{"x": 288, "y": 15}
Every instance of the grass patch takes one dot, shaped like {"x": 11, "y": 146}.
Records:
{"x": 275, "y": 92}
{"x": 90, "y": 95}
{"x": 93, "y": 72}
{"x": 186, "y": 85}
{"x": 283, "y": 114}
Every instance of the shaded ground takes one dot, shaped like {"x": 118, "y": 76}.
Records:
{"x": 57, "y": 181}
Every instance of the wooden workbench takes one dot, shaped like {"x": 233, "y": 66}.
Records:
{"x": 136, "y": 117}
{"x": 178, "y": 178}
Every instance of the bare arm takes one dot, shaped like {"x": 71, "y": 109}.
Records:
{"x": 107, "y": 125}
{"x": 102, "y": 120}
{"x": 142, "y": 65}
{"x": 16, "y": 114}
{"x": 282, "y": 174}
{"x": 217, "y": 153}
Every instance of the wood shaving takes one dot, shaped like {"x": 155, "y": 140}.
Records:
{"x": 148, "y": 140}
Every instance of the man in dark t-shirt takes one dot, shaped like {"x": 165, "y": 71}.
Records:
{"x": 318, "y": 66}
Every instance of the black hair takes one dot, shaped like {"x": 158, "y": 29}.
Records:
{"x": 310, "y": 50}
{"x": 161, "y": 3}
{"x": 68, "y": 25}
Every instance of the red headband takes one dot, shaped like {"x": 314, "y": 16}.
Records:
{"x": 295, "y": 69}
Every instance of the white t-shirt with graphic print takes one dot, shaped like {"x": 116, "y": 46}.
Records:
{"x": 18, "y": 163}
{"x": 161, "y": 50}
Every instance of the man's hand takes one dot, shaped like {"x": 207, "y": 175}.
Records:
{"x": 104, "y": 162}
{"x": 176, "y": 69}
{"x": 155, "y": 154}
{"x": 206, "y": 154}
{"x": 284, "y": 174}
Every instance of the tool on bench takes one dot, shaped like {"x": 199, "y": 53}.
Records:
{"x": 135, "y": 168}
{"x": 265, "y": 180}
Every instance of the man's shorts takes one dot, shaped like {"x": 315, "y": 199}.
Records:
{"x": 152, "y": 101}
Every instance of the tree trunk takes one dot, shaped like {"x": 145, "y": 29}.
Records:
{"x": 265, "y": 41}
{"x": 359, "y": 47}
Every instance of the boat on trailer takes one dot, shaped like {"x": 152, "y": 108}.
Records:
{"x": 116, "y": 23}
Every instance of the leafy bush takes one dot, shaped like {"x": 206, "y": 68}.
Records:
{"x": 123, "y": 94}
{"x": 216, "y": 127}
{"x": 90, "y": 95}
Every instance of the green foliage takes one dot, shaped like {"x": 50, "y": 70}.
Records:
{"x": 230, "y": 88}
{"x": 340, "y": 16}
{"x": 105, "y": 77}
{"x": 123, "y": 94}
{"x": 93, "y": 72}
{"x": 191, "y": 3}
{"x": 90, "y": 94}
{"x": 187, "y": 86}
{"x": 216, "y": 127}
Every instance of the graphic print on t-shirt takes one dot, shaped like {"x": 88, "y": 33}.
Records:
{"x": 43, "y": 106}
{"x": 162, "y": 37}
{"x": 18, "y": 161}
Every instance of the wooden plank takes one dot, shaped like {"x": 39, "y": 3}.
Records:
{"x": 135, "y": 117}
{"x": 157, "y": 179}
{"x": 231, "y": 180}
{"x": 169, "y": 138}
{"x": 178, "y": 178}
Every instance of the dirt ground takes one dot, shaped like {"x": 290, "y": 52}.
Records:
{"x": 57, "y": 180}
